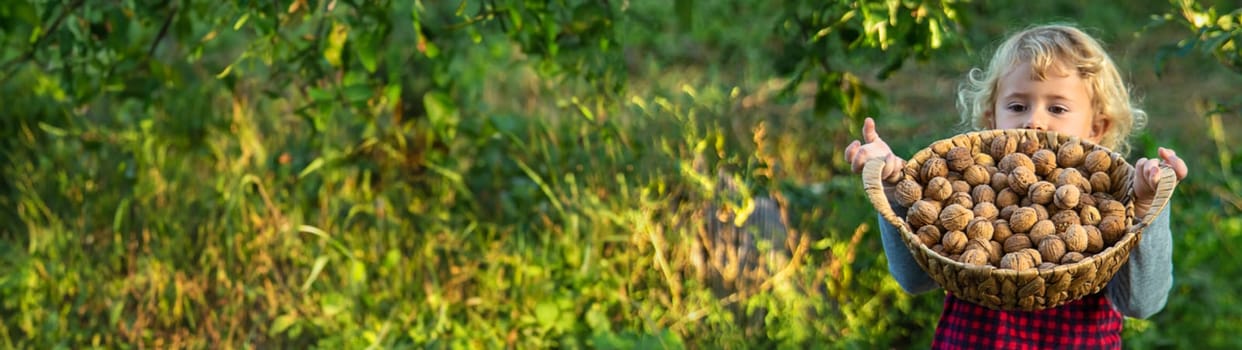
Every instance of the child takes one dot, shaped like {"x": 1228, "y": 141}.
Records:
{"x": 1056, "y": 78}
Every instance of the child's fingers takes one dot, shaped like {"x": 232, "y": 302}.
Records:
{"x": 1173, "y": 161}
{"x": 869, "y": 134}
{"x": 892, "y": 168}
{"x": 851, "y": 150}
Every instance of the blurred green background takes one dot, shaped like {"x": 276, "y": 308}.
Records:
{"x": 531, "y": 174}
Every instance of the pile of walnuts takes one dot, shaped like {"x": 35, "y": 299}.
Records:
{"x": 1011, "y": 203}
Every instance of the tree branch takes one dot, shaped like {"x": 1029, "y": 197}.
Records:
{"x": 46, "y": 33}
{"x": 163, "y": 29}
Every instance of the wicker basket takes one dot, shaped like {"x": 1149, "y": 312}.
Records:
{"x": 1032, "y": 289}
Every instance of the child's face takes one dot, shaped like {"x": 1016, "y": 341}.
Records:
{"x": 1058, "y": 103}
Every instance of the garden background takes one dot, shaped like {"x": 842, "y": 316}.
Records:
{"x": 532, "y": 173}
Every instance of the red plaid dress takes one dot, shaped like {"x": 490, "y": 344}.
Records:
{"x": 1087, "y": 323}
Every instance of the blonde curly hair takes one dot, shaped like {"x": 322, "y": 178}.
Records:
{"x": 1048, "y": 48}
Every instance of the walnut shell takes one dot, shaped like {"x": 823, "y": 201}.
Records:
{"x": 939, "y": 249}
{"x": 1016, "y": 261}
{"x": 984, "y": 159}
{"x": 1021, "y": 178}
{"x": 986, "y": 210}
{"x": 933, "y": 168}
{"x": 1071, "y": 176}
{"x": 954, "y": 242}
{"x": 983, "y": 194}
{"x": 953, "y": 176}
{"x": 1000, "y": 230}
{"x": 1100, "y": 182}
{"x": 1034, "y": 254}
{"x": 961, "y": 186}
{"x": 1067, "y": 197}
{"x": 1016, "y": 243}
{"x": 980, "y": 228}
{"x": 1022, "y": 220}
{"x": 1054, "y": 175}
{"x": 1051, "y": 248}
{"x": 960, "y": 198}
{"x": 954, "y": 217}
{"x": 1000, "y": 181}
{"x": 1071, "y": 257}
{"x": 938, "y": 189}
{"x": 1047, "y": 266}
{"x": 1028, "y": 146}
{"x": 908, "y": 191}
{"x": 1006, "y": 197}
{"x": 1014, "y": 161}
{"x": 1003, "y": 145}
{"x": 1041, "y": 212}
{"x": 1110, "y": 207}
{"x": 1089, "y": 215}
{"x": 1086, "y": 201}
{"x": 1075, "y": 238}
{"x": 1064, "y": 218}
{"x": 1007, "y": 212}
{"x": 975, "y": 257}
{"x": 922, "y": 213}
{"x": 1042, "y": 230}
{"x": 959, "y": 158}
{"x": 976, "y": 175}
{"x": 1111, "y": 229}
{"x": 1070, "y": 155}
{"x": 1095, "y": 240}
{"x": 1041, "y": 192}
{"x": 1098, "y": 161}
{"x": 929, "y": 235}
{"x": 1044, "y": 161}
{"x": 942, "y": 147}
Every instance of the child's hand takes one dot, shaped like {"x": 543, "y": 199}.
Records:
{"x": 874, "y": 148}
{"x": 1146, "y": 175}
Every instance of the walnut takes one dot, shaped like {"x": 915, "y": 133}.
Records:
{"x": 1047, "y": 266}
{"x": 1112, "y": 228}
{"x": 1044, "y": 161}
{"x": 1042, "y": 230}
{"x": 1007, "y": 212}
{"x": 1067, "y": 197}
{"x": 1070, "y": 155}
{"x": 929, "y": 235}
{"x": 1014, "y": 161}
{"x": 961, "y": 186}
{"x": 1025, "y": 202}
{"x": 939, "y": 249}
{"x": 1086, "y": 201}
{"x": 922, "y": 213}
{"x": 1054, "y": 175}
{"x": 994, "y": 252}
{"x": 1022, "y": 220}
{"x": 976, "y": 175}
{"x": 1000, "y": 181}
{"x": 1064, "y": 218}
{"x": 1095, "y": 240}
{"x": 954, "y": 242}
{"x": 955, "y": 257}
{"x": 986, "y": 210}
{"x": 959, "y": 158}
{"x": 1041, "y": 192}
{"x": 1021, "y": 178}
{"x": 942, "y": 147}
{"x": 938, "y": 189}
{"x": 1006, "y": 197}
{"x": 1017, "y": 243}
{"x": 1075, "y": 238}
{"x": 1098, "y": 161}
{"x": 908, "y": 191}
{"x": 954, "y": 217}
{"x": 1089, "y": 215}
{"x": 953, "y": 176}
{"x": 1100, "y": 182}
{"x": 975, "y": 257}
{"x": 1034, "y": 254}
{"x": 1041, "y": 212}
{"x": 980, "y": 228}
{"x": 1071, "y": 176}
{"x": 1003, "y": 145}
{"x": 1016, "y": 261}
{"x": 984, "y": 159}
{"x": 933, "y": 168}
{"x": 1112, "y": 208}
{"x": 1000, "y": 230}
{"x": 1028, "y": 146}
{"x": 960, "y": 198}
{"x": 1071, "y": 257}
{"x": 1051, "y": 248}
{"x": 983, "y": 194}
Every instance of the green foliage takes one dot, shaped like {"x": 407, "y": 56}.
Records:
{"x": 477, "y": 174}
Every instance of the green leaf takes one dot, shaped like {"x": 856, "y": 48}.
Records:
{"x": 367, "y": 46}
{"x": 357, "y": 93}
{"x": 310, "y": 168}
{"x": 547, "y": 313}
{"x": 281, "y": 324}
{"x": 314, "y": 274}
{"x": 336, "y": 43}
{"x": 442, "y": 113}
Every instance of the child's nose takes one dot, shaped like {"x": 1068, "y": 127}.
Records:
{"x": 1036, "y": 120}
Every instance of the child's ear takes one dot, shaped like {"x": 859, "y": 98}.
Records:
{"x": 1100, "y": 126}
{"x": 989, "y": 120}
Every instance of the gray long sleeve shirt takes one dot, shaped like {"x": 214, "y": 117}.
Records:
{"x": 1139, "y": 289}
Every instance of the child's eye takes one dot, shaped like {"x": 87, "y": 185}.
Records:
{"x": 1058, "y": 110}
{"x": 1016, "y": 107}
